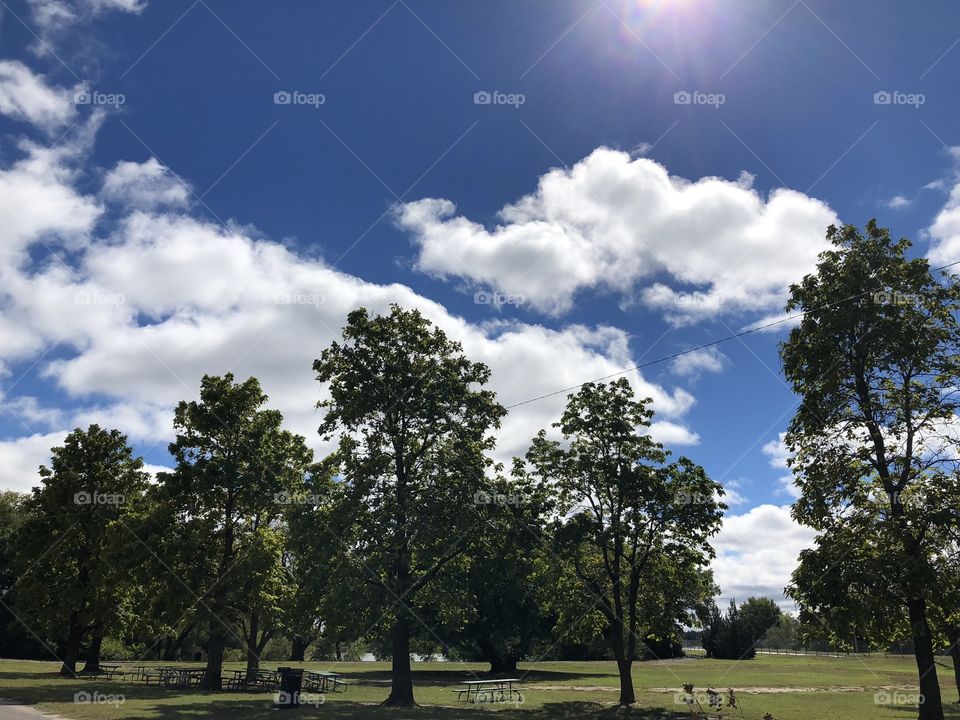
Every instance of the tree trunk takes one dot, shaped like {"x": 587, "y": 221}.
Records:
{"x": 338, "y": 650}
{"x": 92, "y": 658}
{"x": 213, "y": 674}
{"x": 627, "y": 696}
{"x": 401, "y": 688}
{"x": 504, "y": 664}
{"x": 299, "y": 650}
{"x": 253, "y": 657}
{"x": 931, "y": 705}
{"x": 953, "y": 635}
{"x": 71, "y": 649}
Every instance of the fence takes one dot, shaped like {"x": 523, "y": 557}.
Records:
{"x": 687, "y": 647}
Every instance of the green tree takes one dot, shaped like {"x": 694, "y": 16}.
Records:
{"x": 235, "y": 466}
{"x": 76, "y": 583}
{"x": 414, "y": 430}
{"x": 505, "y": 577}
{"x": 626, "y": 512}
{"x": 875, "y": 362}
{"x": 15, "y": 641}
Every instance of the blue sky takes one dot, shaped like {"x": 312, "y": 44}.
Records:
{"x": 145, "y": 240}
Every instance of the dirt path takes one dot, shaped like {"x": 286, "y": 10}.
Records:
{"x": 10, "y": 710}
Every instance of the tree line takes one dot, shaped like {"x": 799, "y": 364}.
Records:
{"x": 411, "y": 538}
{"x": 408, "y": 538}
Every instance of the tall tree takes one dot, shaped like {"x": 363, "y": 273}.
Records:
{"x": 625, "y": 511}
{"x": 414, "y": 430}
{"x": 506, "y": 578}
{"x": 15, "y": 640}
{"x": 876, "y": 363}
{"x": 234, "y": 461}
{"x": 76, "y": 582}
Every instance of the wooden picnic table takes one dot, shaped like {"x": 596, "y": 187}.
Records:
{"x": 492, "y": 690}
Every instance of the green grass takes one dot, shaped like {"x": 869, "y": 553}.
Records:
{"x": 819, "y": 688}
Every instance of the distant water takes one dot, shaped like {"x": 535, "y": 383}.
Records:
{"x": 368, "y": 657}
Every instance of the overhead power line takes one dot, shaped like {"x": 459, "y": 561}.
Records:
{"x": 734, "y": 336}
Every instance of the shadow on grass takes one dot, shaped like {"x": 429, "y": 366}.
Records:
{"x": 345, "y": 710}
{"x": 450, "y": 677}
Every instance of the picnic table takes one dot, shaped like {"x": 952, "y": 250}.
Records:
{"x": 109, "y": 672}
{"x": 169, "y": 675}
{"x": 258, "y": 680}
{"x": 493, "y": 690}
{"x": 323, "y": 682}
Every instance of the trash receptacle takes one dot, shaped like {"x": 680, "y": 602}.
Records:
{"x": 291, "y": 682}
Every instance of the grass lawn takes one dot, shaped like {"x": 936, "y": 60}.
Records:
{"x": 789, "y": 687}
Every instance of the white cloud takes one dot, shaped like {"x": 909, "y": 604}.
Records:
{"x": 693, "y": 364}
{"x": 141, "y": 314}
{"x": 779, "y": 456}
{"x": 627, "y": 225}
{"x": 56, "y": 16}
{"x": 146, "y": 186}
{"x": 944, "y": 232}
{"x": 898, "y": 202}
{"x": 26, "y": 96}
{"x": 757, "y": 551}
{"x": 21, "y": 458}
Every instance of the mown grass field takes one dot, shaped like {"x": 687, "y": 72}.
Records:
{"x": 789, "y": 687}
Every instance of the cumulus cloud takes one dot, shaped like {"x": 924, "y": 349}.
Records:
{"x": 757, "y": 551}
{"x": 20, "y": 459}
{"x": 779, "y": 456}
{"x": 26, "y": 96}
{"x": 898, "y": 202}
{"x": 944, "y": 232}
{"x": 145, "y": 186}
{"x": 625, "y": 224}
{"x": 693, "y": 364}
{"x": 148, "y": 302}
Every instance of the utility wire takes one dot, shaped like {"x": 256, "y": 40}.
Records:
{"x": 736, "y": 335}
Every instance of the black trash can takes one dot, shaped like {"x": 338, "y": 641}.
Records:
{"x": 291, "y": 682}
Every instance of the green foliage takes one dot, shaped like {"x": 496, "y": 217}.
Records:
{"x": 414, "y": 429}
{"x": 235, "y": 469}
{"x": 77, "y": 581}
{"x": 736, "y": 635}
{"x": 631, "y": 527}
{"x": 876, "y": 363}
